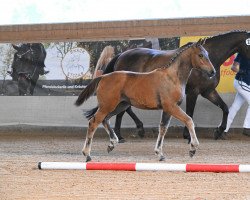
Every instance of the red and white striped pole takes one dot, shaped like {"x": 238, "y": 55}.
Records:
{"x": 146, "y": 167}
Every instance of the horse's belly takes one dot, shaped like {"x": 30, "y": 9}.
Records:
{"x": 145, "y": 99}
{"x": 142, "y": 98}
{"x": 144, "y": 103}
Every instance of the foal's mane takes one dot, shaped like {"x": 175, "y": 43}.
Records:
{"x": 178, "y": 53}
{"x": 203, "y": 41}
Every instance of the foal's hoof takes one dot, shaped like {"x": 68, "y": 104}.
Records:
{"x": 162, "y": 158}
{"x": 141, "y": 132}
{"x": 191, "y": 153}
{"x": 110, "y": 148}
{"x": 88, "y": 158}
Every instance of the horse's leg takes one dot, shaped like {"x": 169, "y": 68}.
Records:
{"x": 33, "y": 85}
{"x": 179, "y": 114}
{"x": 190, "y": 105}
{"x": 137, "y": 121}
{"x": 117, "y": 128}
{"x": 22, "y": 85}
{"x": 165, "y": 120}
{"x": 93, "y": 124}
{"x": 113, "y": 138}
{"x": 120, "y": 109}
{"x": 214, "y": 97}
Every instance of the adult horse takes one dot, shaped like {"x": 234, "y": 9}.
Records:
{"x": 28, "y": 64}
{"x": 162, "y": 89}
{"x": 219, "y": 47}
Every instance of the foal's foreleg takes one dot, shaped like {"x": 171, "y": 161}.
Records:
{"x": 163, "y": 127}
{"x": 93, "y": 124}
{"x": 179, "y": 114}
{"x": 113, "y": 138}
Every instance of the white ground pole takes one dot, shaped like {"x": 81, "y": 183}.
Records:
{"x": 196, "y": 167}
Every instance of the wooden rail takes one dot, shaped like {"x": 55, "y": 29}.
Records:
{"x": 113, "y": 30}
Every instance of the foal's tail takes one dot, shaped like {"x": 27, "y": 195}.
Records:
{"x": 88, "y": 91}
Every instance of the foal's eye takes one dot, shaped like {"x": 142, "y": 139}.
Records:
{"x": 201, "y": 55}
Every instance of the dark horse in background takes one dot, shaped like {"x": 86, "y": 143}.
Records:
{"x": 27, "y": 65}
{"x": 219, "y": 47}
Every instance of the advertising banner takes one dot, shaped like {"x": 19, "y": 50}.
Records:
{"x": 61, "y": 68}
{"x": 226, "y": 74}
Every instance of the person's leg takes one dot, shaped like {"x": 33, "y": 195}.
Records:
{"x": 246, "y": 95}
{"x": 238, "y": 102}
{"x": 246, "y": 125}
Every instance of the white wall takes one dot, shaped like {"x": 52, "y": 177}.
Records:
{"x": 61, "y": 111}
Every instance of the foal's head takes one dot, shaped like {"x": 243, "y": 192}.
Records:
{"x": 200, "y": 59}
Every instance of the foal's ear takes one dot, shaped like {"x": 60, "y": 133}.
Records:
{"x": 199, "y": 43}
{"x": 15, "y": 47}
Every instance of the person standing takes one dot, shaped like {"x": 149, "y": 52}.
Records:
{"x": 241, "y": 66}
{"x": 107, "y": 54}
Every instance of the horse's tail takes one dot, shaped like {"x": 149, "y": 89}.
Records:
{"x": 111, "y": 65}
{"x": 90, "y": 113}
{"x": 88, "y": 91}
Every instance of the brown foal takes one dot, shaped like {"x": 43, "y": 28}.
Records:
{"x": 161, "y": 89}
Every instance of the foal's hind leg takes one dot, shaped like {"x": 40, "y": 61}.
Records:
{"x": 113, "y": 138}
{"x": 164, "y": 124}
{"x": 93, "y": 124}
{"x": 178, "y": 113}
